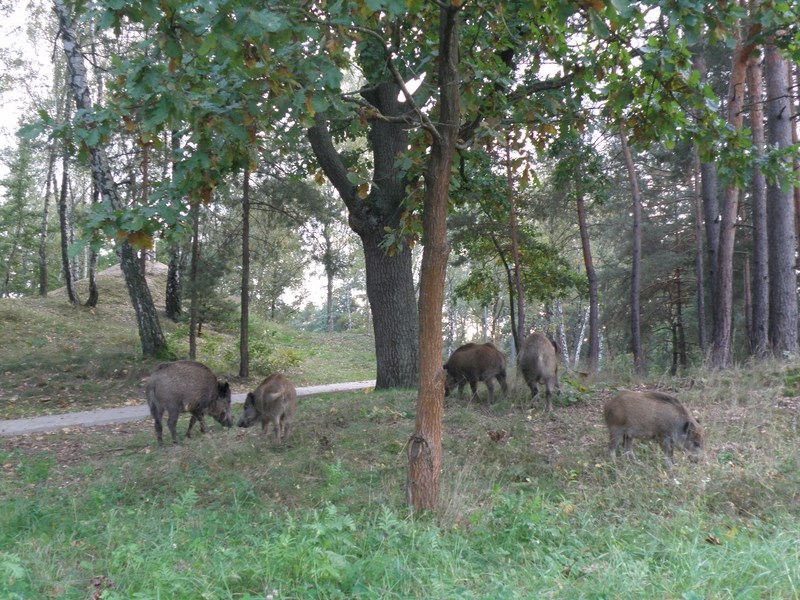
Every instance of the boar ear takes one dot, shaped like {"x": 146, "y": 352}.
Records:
{"x": 224, "y": 388}
{"x": 687, "y": 426}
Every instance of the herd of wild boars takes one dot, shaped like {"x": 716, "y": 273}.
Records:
{"x": 473, "y": 363}
{"x": 189, "y": 386}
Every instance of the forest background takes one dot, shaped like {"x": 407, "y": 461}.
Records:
{"x": 619, "y": 175}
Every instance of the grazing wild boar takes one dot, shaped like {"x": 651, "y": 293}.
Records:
{"x": 538, "y": 363}
{"x": 187, "y": 386}
{"x": 472, "y": 363}
{"x": 652, "y": 415}
{"x": 275, "y": 399}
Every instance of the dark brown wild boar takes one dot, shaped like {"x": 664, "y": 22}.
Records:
{"x": 538, "y": 363}
{"x": 275, "y": 399}
{"x": 652, "y": 415}
{"x": 472, "y": 363}
{"x": 187, "y": 386}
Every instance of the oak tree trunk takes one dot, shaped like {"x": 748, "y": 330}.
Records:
{"x": 389, "y": 276}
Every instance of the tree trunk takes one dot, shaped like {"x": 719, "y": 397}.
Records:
{"x": 682, "y": 359}
{"x": 636, "y": 255}
{"x": 796, "y": 112}
{"x": 759, "y": 317}
{"x": 748, "y": 306}
{"x": 721, "y": 354}
{"x": 244, "y": 326}
{"x": 49, "y": 186}
{"x": 710, "y": 197}
{"x": 63, "y": 219}
{"x": 512, "y": 228}
{"x": 390, "y": 284}
{"x": 699, "y": 267}
{"x": 193, "y": 306}
{"x": 395, "y": 351}
{"x": 780, "y": 215}
{"x": 150, "y": 334}
{"x": 330, "y": 272}
{"x": 329, "y": 303}
{"x": 177, "y": 260}
{"x": 94, "y": 293}
{"x": 425, "y": 445}
{"x": 591, "y": 277}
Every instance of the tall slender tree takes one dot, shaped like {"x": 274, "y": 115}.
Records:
{"x": 150, "y": 333}
{"x": 759, "y": 314}
{"x": 780, "y": 214}
{"x": 636, "y": 254}
{"x": 723, "y": 286}
{"x": 244, "y": 325}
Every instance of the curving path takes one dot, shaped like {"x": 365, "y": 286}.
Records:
{"x": 124, "y": 414}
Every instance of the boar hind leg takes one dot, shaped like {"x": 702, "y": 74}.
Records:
{"x": 501, "y": 379}
{"x": 616, "y": 436}
{"x": 172, "y": 423}
{"x": 473, "y": 386}
{"x": 628, "y": 441}
{"x": 548, "y": 397}
{"x": 490, "y": 386}
{"x": 534, "y": 389}
{"x": 159, "y": 427}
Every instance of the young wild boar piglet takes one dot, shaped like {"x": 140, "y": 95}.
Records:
{"x": 652, "y": 415}
{"x": 187, "y": 386}
{"x": 274, "y": 400}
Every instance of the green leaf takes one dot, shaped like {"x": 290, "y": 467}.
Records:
{"x": 269, "y": 21}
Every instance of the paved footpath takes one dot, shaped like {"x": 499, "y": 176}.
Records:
{"x": 124, "y": 414}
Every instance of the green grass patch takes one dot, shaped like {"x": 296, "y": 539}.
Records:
{"x": 530, "y": 507}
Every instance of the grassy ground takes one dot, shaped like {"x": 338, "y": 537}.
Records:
{"x": 530, "y": 505}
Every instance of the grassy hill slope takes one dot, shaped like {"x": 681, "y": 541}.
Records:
{"x": 58, "y": 358}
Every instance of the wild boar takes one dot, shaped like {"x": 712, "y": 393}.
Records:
{"x": 472, "y": 363}
{"x": 652, "y": 415}
{"x": 187, "y": 386}
{"x": 539, "y": 364}
{"x": 275, "y": 399}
